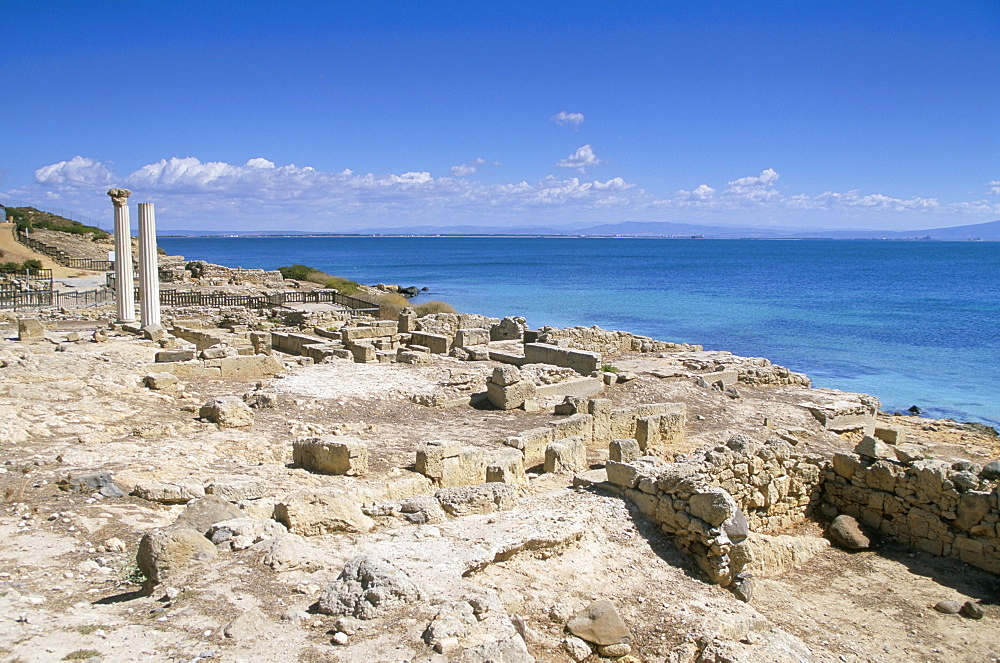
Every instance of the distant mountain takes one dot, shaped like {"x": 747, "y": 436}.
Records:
{"x": 984, "y": 231}
{"x": 981, "y": 231}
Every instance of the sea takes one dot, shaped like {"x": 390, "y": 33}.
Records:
{"x": 910, "y": 322}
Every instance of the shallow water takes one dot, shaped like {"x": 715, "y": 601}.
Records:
{"x": 914, "y": 323}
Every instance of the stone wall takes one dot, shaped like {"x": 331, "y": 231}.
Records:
{"x": 948, "y": 509}
{"x": 607, "y": 342}
{"x": 710, "y": 501}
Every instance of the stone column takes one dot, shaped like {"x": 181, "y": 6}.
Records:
{"x": 124, "y": 288}
{"x": 149, "y": 273}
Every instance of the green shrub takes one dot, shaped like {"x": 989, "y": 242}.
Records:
{"x": 428, "y": 308}
{"x": 297, "y": 272}
{"x": 610, "y": 368}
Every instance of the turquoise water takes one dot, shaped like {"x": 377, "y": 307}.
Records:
{"x": 913, "y": 323}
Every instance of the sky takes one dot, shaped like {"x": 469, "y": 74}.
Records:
{"x": 335, "y": 116}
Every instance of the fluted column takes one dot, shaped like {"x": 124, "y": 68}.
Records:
{"x": 124, "y": 288}
{"x": 149, "y": 276}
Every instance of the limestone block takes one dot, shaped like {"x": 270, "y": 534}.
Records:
{"x": 261, "y": 342}
{"x": 236, "y": 490}
{"x": 566, "y": 455}
{"x": 845, "y": 416}
{"x": 467, "y": 337}
{"x": 846, "y": 465}
{"x": 629, "y": 474}
{"x": 363, "y": 353}
{"x": 247, "y": 367}
{"x": 407, "y": 321}
{"x": 200, "y": 514}
{"x": 577, "y": 425}
{"x": 30, "y": 329}
{"x": 161, "y": 381}
{"x": 331, "y": 454}
{"x": 167, "y": 356}
{"x": 433, "y": 457}
{"x": 228, "y": 412}
{"x": 728, "y": 377}
{"x": 483, "y": 498}
{"x": 890, "y": 434}
{"x": 871, "y": 447}
{"x": 320, "y": 511}
{"x": 624, "y": 450}
{"x": 512, "y": 396}
{"x": 436, "y": 343}
{"x": 506, "y": 375}
{"x": 713, "y": 505}
{"x": 348, "y": 334}
{"x": 622, "y": 423}
{"x": 507, "y": 467}
{"x": 907, "y": 453}
{"x": 531, "y": 443}
{"x": 600, "y": 624}
{"x": 168, "y": 493}
{"x": 163, "y": 555}
{"x": 661, "y": 431}
{"x": 508, "y": 329}
{"x": 581, "y": 361}
{"x": 600, "y": 408}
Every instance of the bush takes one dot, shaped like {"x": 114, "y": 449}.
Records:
{"x": 313, "y": 275}
{"x": 390, "y": 305}
{"x": 297, "y": 272}
{"x": 429, "y": 308}
{"x": 32, "y": 264}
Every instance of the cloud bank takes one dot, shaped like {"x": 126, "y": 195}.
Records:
{"x": 260, "y": 194}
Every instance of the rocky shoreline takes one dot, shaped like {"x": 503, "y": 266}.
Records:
{"x": 300, "y": 484}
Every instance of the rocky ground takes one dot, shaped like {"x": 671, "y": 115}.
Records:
{"x": 490, "y": 586}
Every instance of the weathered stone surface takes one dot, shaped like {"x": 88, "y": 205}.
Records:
{"x": 907, "y": 454}
{"x": 454, "y": 620}
{"x": 228, "y": 412}
{"x": 165, "y": 553}
{"x": 290, "y": 552}
{"x": 467, "y": 337}
{"x": 505, "y": 375}
{"x": 890, "y": 434}
{"x": 319, "y": 511}
{"x": 991, "y": 471}
{"x": 507, "y": 650}
{"x": 600, "y": 624}
{"x": 484, "y": 498}
{"x": 331, "y": 454}
{"x": 512, "y": 396}
{"x": 169, "y": 493}
{"x": 846, "y": 533}
{"x": 507, "y": 467}
{"x": 616, "y": 650}
{"x": 237, "y": 490}
{"x": 577, "y": 648}
{"x": 169, "y": 356}
{"x": 713, "y": 505}
{"x": 204, "y": 512}
{"x": 248, "y": 626}
{"x": 30, "y": 329}
{"x": 161, "y": 381}
{"x": 871, "y": 447}
{"x": 568, "y": 455}
{"x": 368, "y": 588}
{"x": 241, "y": 533}
{"x": 624, "y": 450}
{"x": 82, "y": 482}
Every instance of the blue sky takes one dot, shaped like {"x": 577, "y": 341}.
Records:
{"x": 341, "y": 115}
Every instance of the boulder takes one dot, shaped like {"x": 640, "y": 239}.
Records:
{"x": 846, "y": 533}
{"x": 508, "y": 650}
{"x": 169, "y": 493}
{"x": 248, "y": 626}
{"x": 316, "y": 512}
{"x": 482, "y": 498}
{"x": 164, "y": 554}
{"x": 600, "y": 624}
{"x": 161, "y": 381}
{"x": 228, "y": 412}
{"x": 241, "y": 533}
{"x": 30, "y": 329}
{"x": 991, "y": 471}
{"x": 204, "y": 512}
{"x": 368, "y": 588}
{"x": 91, "y": 482}
{"x": 289, "y": 552}
{"x": 871, "y": 447}
{"x": 713, "y": 505}
{"x": 331, "y": 454}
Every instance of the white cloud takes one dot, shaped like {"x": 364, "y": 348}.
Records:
{"x": 582, "y": 159}
{"x": 754, "y": 189}
{"x": 994, "y": 186}
{"x": 564, "y": 119}
{"x": 261, "y": 194}
{"x": 462, "y": 170}
{"x": 78, "y": 171}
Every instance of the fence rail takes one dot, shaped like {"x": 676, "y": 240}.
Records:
{"x": 12, "y": 296}
{"x": 61, "y": 256}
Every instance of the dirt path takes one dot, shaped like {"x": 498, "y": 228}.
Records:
{"x": 14, "y": 251}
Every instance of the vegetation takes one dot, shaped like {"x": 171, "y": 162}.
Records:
{"x": 313, "y": 275}
{"x": 29, "y": 218}
{"x": 7, "y": 267}
{"x": 610, "y": 368}
{"x": 428, "y": 308}
{"x": 81, "y": 655}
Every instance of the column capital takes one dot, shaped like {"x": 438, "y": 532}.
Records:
{"x": 119, "y": 196}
